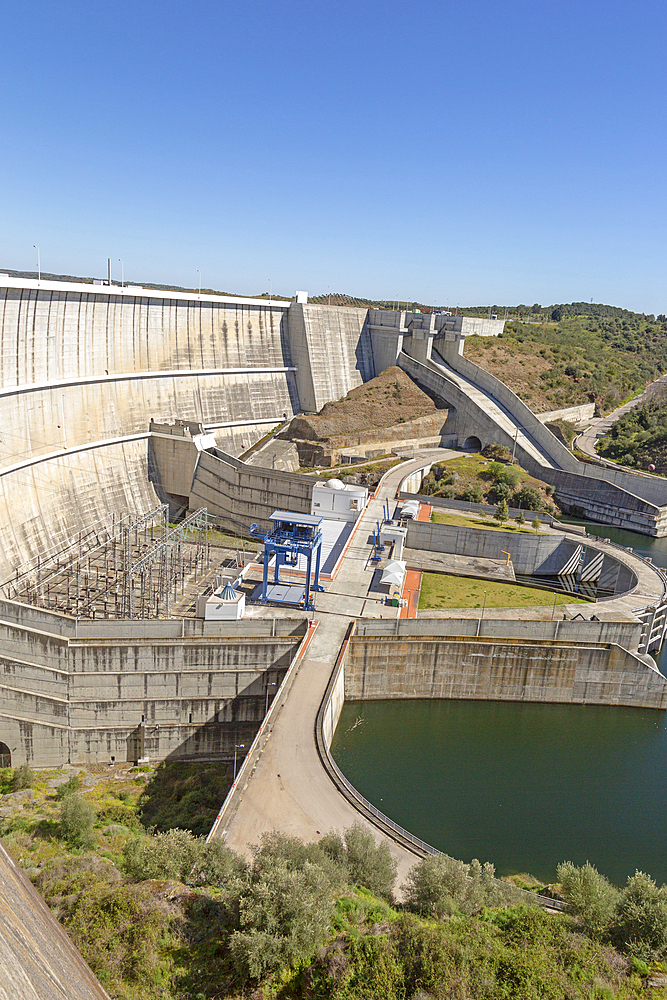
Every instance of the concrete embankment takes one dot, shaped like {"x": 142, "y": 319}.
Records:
{"x": 92, "y": 692}
{"x": 37, "y": 959}
{"x": 379, "y": 667}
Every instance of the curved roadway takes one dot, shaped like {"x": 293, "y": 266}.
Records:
{"x": 290, "y": 789}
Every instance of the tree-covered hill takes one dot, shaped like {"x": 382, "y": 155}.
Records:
{"x": 603, "y": 355}
{"x": 639, "y": 438}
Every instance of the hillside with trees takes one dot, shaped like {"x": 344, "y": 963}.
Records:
{"x": 639, "y": 438}
{"x": 165, "y": 914}
{"x": 575, "y": 354}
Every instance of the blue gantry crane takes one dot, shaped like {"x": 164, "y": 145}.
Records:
{"x": 292, "y": 535}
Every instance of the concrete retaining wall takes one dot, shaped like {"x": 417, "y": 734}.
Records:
{"x": 537, "y": 555}
{"x": 574, "y": 414}
{"x": 104, "y": 691}
{"x": 493, "y": 669}
{"x": 334, "y": 705}
{"x": 238, "y": 495}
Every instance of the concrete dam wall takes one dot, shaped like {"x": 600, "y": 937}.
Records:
{"x": 419, "y": 666}
{"x": 87, "y": 692}
{"x": 84, "y": 368}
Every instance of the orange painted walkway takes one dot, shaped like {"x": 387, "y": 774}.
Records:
{"x": 413, "y": 577}
{"x": 411, "y": 588}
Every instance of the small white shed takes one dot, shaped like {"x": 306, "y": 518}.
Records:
{"x": 225, "y": 605}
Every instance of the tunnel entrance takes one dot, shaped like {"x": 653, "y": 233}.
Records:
{"x": 472, "y": 443}
{"x": 5, "y": 755}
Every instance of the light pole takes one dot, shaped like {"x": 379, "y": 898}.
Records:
{"x": 237, "y": 746}
{"x": 553, "y": 610}
{"x": 270, "y": 291}
{"x": 270, "y": 684}
{"x": 199, "y": 273}
{"x": 122, "y": 273}
{"x": 39, "y": 265}
{"x": 481, "y": 618}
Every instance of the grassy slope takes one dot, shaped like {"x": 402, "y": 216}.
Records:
{"x": 472, "y": 470}
{"x": 470, "y": 522}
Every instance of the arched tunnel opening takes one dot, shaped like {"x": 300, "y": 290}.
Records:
{"x": 472, "y": 443}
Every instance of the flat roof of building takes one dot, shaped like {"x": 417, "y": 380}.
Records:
{"x": 312, "y": 520}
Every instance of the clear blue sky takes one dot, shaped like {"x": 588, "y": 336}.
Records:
{"x": 452, "y": 152}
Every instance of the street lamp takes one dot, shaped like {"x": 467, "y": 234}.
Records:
{"x": 122, "y": 273}
{"x": 481, "y": 618}
{"x": 270, "y": 684}
{"x": 39, "y": 265}
{"x": 199, "y": 273}
{"x": 237, "y": 746}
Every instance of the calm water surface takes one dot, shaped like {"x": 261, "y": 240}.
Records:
{"x": 522, "y": 785}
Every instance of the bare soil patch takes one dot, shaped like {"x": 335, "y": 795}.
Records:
{"x": 390, "y": 398}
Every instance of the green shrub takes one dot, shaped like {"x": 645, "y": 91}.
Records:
{"x": 77, "y": 819}
{"x": 498, "y": 493}
{"x": 502, "y": 512}
{"x": 118, "y": 812}
{"x": 587, "y": 893}
{"x": 218, "y": 865}
{"x": 283, "y": 915}
{"x": 641, "y": 918}
{"x": 163, "y": 856}
{"x": 528, "y": 498}
{"x": 471, "y": 494}
{"x": 495, "y": 470}
{"x": 511, "y": 475}
{"x": 6, "y": 780}
{"x": 68, "y": 787}
{"x": 23, "y": 778}
{"x": 498, "y": 452}
{"x": 370, "y": 864}
{"x": 439, "y": 885}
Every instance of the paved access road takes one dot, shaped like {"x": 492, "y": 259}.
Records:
{"x": 290, "y": 790}
{"x": 600, "y": 426}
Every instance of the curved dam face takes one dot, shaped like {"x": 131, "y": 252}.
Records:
{"x": 83, "y": 370}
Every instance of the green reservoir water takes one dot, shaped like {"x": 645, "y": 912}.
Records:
{"x": 522, "y": 785}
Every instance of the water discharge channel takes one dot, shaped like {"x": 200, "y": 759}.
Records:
{"x": 522, "y": 785}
